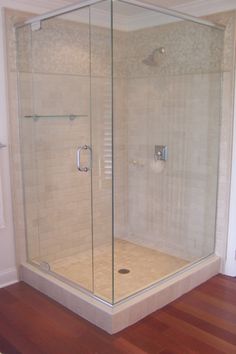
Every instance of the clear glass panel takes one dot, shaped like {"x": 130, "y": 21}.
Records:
{"x": 101, "y": 140}
{"x": 167, "y": 83}
{"x": 54, "y": 80}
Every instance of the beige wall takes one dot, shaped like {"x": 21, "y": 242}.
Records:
{"x": 228, "y": 101}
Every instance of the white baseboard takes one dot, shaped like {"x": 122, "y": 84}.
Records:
{"x": 8, "y": 276}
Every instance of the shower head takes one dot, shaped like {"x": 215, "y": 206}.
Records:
{"x": 150, "y": 60}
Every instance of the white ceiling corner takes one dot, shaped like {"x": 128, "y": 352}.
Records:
{"x": 128, "y": 20}
{"x": 205, "y": 7}
{"x": 193, "y": 7}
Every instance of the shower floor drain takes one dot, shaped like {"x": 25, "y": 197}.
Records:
{"x": 123, "y": 271}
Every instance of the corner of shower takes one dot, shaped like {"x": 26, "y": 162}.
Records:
{"x": 118, "y": 200}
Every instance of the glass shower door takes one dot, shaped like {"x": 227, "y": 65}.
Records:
{"x": 167, "y": 104}
{"x": 101, "y": 143}
{"x": 54, "y": 81}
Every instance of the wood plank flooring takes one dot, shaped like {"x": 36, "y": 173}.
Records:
{"x": 202, "y": 321}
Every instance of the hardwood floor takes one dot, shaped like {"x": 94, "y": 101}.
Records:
{"x": 202, "y": 321}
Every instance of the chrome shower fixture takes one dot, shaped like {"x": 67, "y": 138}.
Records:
{"x": 160, "y": 153}
{"x": 150, "y": 60}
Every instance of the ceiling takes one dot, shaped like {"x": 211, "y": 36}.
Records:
{"x": 165, "y": 3}
{"x": 128, "y": 17}
{"x": 192, "y": 7}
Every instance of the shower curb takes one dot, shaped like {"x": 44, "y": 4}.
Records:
{"x": 114, "y": 318}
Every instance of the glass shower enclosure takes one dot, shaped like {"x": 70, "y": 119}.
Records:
{"x": 119, "y": 126}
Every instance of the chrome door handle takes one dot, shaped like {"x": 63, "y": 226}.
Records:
{"x": 78, "y": 156}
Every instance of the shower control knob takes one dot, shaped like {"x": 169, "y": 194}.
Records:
{"x": 160, "y": 153}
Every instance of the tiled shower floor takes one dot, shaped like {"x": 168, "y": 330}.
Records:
{"x": 146, "y": 266}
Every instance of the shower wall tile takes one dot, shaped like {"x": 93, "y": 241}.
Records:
{"x": 54, "y": 187}
{"x": 61, "y": 94}
{"x": 13, "y": 17}
{"x": 227, "y": 19}
{"x": 120, "y": 153}
{"x": 61, "y": 46}
{"x": 190, "y": 48}
{"x": 187, "y": 224}
{"x": 225, "y": 164}
{"x": 102, "y": 145}
{"x": 16, "y": 176}
{"x": 171, "y": 204}
{"x": 58, "y": 197}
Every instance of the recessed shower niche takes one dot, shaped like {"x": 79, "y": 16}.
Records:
{"x": 119, "y": 126}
